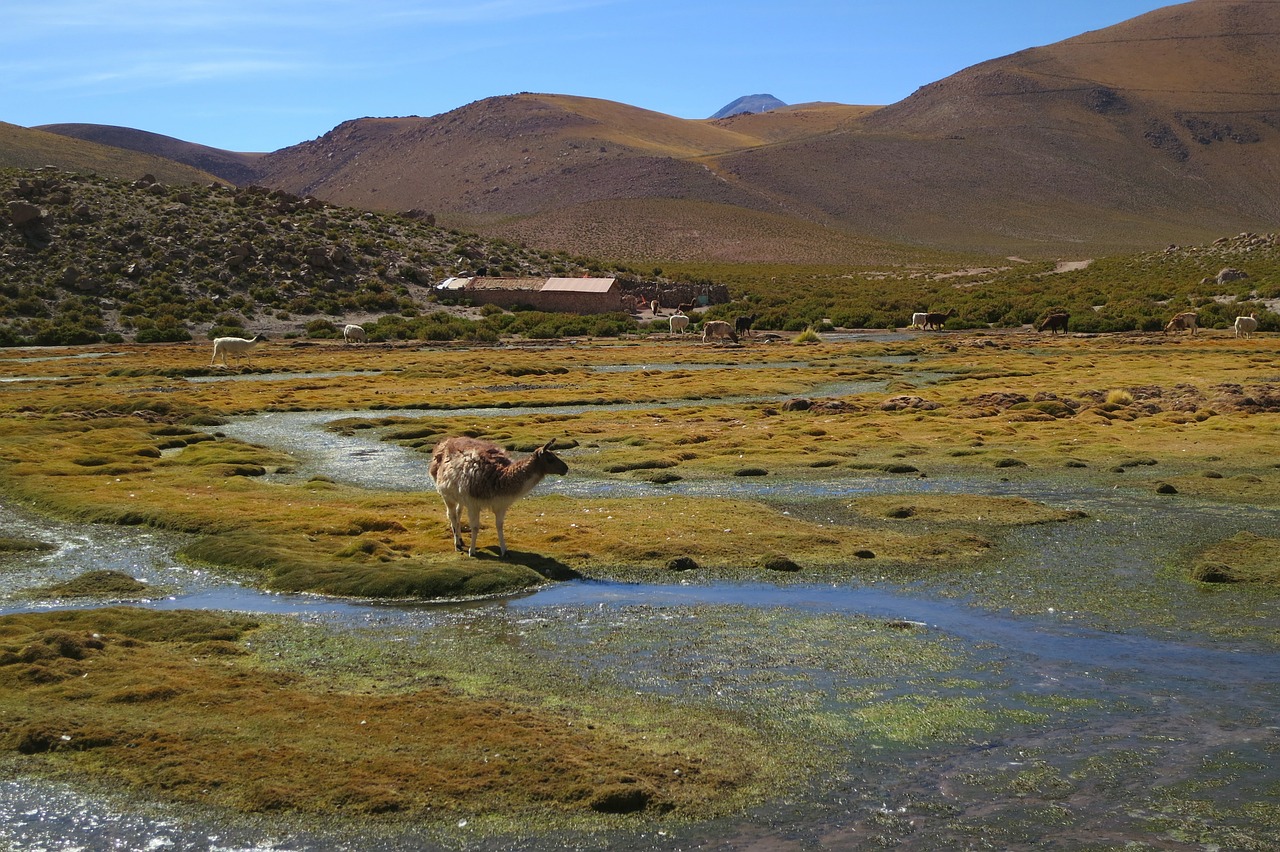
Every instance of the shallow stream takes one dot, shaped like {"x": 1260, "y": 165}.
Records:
{"x": 1151, "y": 730}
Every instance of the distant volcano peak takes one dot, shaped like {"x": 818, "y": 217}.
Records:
{"x": 749, "y": 103}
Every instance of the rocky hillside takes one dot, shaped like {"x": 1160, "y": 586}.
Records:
{"x": 84, "y": 256}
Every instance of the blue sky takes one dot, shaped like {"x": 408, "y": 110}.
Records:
{"x": 258, "y": 75}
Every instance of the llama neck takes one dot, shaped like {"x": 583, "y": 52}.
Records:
{"x": 520, "y": 477}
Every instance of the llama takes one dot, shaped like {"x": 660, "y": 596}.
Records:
{"x": 687, "y": 308}
{"x": 1184, "y": 320}
{"x": 937, "y": 320}
{"x": 353, "y": 334}
{"x": 1055, "y": 322}
{"x": 1246, "y": 326}
{"x": 237, "y": 346}
{"x": 679, "y": 322}
{"x": 714, "y": 329}
{"x": 918, "y": 319}
{"x": 479, "y": 475}
{"x": 743, "y": 324}
{"x": 655, "y": 308}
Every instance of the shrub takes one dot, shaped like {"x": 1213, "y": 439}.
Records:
{"x": 162, "y": 335}
{"x": 808, "y": 336}
{"x": 321, "y": 329}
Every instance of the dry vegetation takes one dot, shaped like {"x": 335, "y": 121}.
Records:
{"x": 118, "y": 442}
{"x": 116, "y": 438}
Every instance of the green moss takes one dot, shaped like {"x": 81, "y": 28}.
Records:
{"x": 294, "y": 564}
{"x": 96, "y": 584}
{"x": 1243, "y": 558}
{"x": 9, "y": 544}
{"x": 182, "y": 706}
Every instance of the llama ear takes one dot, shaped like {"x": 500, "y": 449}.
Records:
{"x": 548, "y": 445}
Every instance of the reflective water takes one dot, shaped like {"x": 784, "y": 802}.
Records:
{"x": 1167, "y": 696}
{"x": 1177, "y": 698}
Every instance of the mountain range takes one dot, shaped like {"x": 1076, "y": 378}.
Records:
{"x": 1162, "y": 129}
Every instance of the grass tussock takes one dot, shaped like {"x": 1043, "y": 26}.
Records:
{"x": 116, "y": 450}
{"x": 1243, "y": 558}
{"x": 112, "y": 585}
{"x": 177, "y": 707}
{"x": 11, "y": 544}
{"x": 973, "y": 509}
{"x": 365, "y": 570}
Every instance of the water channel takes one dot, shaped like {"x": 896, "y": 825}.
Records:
{"x": 1164, "y": 702}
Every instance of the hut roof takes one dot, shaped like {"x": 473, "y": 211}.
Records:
{"x": 579, "y": 285}
{"x": 489, "y": 283}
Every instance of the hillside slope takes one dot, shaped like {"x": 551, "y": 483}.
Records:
{"x": 24, "y": 148}
{"x": 230, "y": 166}
{"x": 533, "y": 156}
{"x": 1165, "y": 128}
{"x": 166, "y": 261}
{"x": 513, "y": 154}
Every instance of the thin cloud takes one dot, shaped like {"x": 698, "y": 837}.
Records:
{"x": 164, "y": 71}
{"x": 164, "y": 17}
{"x": 492, "y": 11}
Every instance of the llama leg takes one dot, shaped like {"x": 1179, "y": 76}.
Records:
{"x": 473, "y": 521}
{"x": 498, "y": 516}
{"x": 451, "y": 511}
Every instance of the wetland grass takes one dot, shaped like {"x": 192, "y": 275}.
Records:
{"x": 1244, "y": 558}
{"x": 105, "y": 584}
{"x": 177, "y": 704}
{"x": 114, "y": 450}
{"x": 206, "y": 707}
{"x": 12, "y": 544}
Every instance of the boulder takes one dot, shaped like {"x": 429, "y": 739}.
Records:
{"x": 23, "y": 214}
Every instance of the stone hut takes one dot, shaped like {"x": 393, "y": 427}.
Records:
{"x": 567, "y": 295}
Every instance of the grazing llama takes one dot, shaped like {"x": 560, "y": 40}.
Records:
{"x": 353, "y": 334}
{"x": 715, "y": 329}
{"x": 1055, "y": 322}
{"x": 937, "y": 320}
{"x": 1246, "y": 326}
{"x": 237, "y": 346}
{"x": 1183, "y": 321}
{"x": 479, "y": 475}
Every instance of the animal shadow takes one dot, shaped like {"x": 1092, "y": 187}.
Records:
{"x": 552, "y": 569}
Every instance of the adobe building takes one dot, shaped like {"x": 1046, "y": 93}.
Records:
{"x": 579, "y": 295}
{"x": 565, "y": 295}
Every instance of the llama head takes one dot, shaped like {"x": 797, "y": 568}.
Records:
{"x": 549, "y": 461}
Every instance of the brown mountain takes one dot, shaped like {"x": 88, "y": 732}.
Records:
{"x": 586, "y": 175}
{"x": 230, "y": 166}
{"x": 22, "y": 147}
{"x": 1165, "y": 128}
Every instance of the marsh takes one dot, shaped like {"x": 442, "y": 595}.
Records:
{"x": 1002, "y": 642}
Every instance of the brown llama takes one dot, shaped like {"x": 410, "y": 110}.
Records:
{"x": 1182, "y": 322}
{"x": 938, "y": 320}
{"x": 480, "y": 475}
{"x": 1055, "y": 322}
